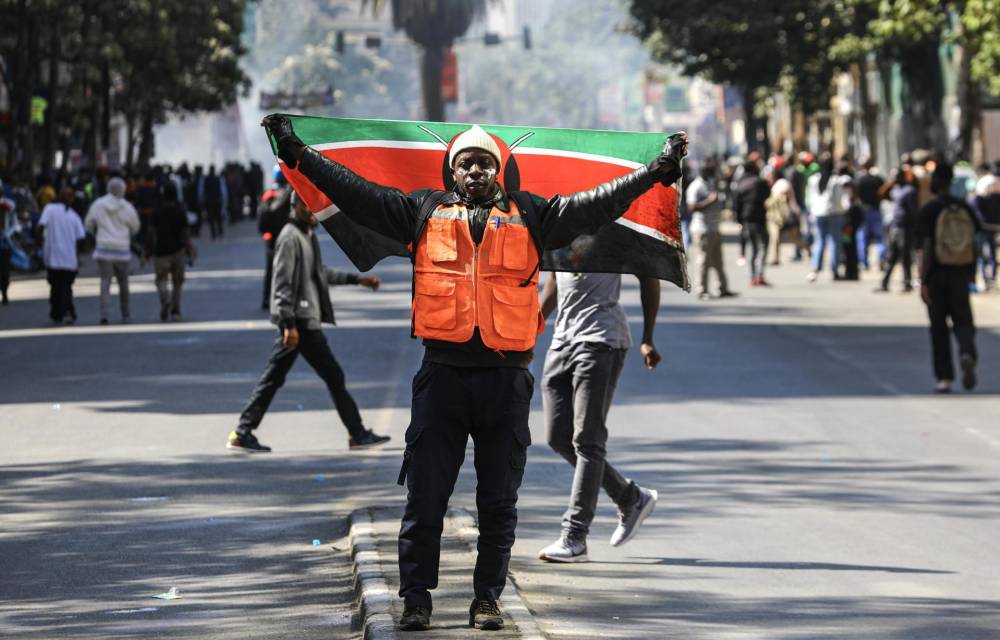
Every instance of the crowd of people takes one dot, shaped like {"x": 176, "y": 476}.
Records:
{"x": 836, "y": 214}
{"x": 120, "y": 217}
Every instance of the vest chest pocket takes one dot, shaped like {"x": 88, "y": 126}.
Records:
{"x": 515, "y": 239}
{"x": 434, "y": 305}
{"x": 442, "y": 245}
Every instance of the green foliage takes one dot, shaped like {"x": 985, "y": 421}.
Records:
{"x": 154, "y": 56}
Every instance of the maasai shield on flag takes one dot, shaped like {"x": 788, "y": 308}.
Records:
{"x": 410, "y": 156}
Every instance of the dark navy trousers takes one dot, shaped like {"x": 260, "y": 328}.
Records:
{"x": 449, "y": 404}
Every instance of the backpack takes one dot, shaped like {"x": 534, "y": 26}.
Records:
{"x": 955, "y": 237}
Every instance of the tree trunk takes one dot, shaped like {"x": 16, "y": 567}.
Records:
{"x": 756, "y": 134}
{"x": 13, "y": 77}
{"x": 869, "y": 112}
{"x": 30, "y": 75}
{"x": 431, "y": 63}
{"x": 130, "y": 142}
{"x": 146, "y": 149}
{"x": 51, "y": 114}
{"x": 969, "y": 99}
{"x": 922, "y": 101}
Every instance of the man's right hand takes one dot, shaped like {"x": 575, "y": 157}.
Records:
{"x": 290, "y": 338}
{"x": 290, "y": 148}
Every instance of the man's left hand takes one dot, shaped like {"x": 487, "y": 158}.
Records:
{"x": 667, "y": 165}
{"x": 372, "y": 282}
{"x": 650, "y": 355}
{"x": 925, "y": 294}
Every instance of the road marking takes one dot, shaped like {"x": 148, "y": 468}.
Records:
{"x": 993, "y": 442}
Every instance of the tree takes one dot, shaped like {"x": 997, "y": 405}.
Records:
{"x": 139, "y": 58}
{"x": 434, "y": 25}
{"x": 737, "y": 42}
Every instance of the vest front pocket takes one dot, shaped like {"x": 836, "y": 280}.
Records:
{"x": 441, "y": 242}
{"x": 514, "y": 314}
{"x": 434, "y": 305}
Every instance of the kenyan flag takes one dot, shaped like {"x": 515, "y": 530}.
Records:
{"x": 413, "y": 155}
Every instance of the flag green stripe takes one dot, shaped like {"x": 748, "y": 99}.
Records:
{"x": 628, "y": 145}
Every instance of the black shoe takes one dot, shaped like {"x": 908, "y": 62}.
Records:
{"x": 104, "y": 321}
{"x": 366, "y": 438}
{"x": 415, "y": 619}
{"x": 968, "y": 364}
{"x": 485, "y": 615}
{"x": 246, "y": 442}
{"x": 728, "y": 294}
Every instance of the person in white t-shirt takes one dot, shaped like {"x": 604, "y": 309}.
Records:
{"x": 705, "y": 218}
{"x": 62, "y": 231}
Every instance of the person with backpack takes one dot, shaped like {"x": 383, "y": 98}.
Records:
{"x": 949, "y": 228}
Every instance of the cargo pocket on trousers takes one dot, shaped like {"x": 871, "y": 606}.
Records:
{"x": 413, "y": 433}
{"x": 518, "y": 458}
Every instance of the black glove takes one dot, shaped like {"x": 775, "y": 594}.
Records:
{"x": 290, "y": 148}
{"x": 667, "y": 165}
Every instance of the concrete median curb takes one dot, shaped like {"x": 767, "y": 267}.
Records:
{"x": 511, "y": 600}
{"x": 374, "y": 600}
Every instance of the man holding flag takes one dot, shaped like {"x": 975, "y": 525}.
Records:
{"x": 476, "y": 250}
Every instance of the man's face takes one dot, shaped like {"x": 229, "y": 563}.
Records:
{"x": 475, "y": 173}
{"x": 302, "y": 213}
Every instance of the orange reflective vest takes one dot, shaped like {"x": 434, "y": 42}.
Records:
{"x": 459, "y": 286}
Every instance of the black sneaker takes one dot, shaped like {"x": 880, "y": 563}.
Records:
{"x": 485, "y": 615}
{"x": 365, "y": 439}
{"x": 968, "y": 364}
{"x": 246, "y": 442}
{"x": 728, "y": 294}
{"x": 415, "y": 619}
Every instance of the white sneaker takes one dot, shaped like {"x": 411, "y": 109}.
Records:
{"x": 942, "y": 386}
{"x": 812, "y": 276}
{"x": 565, "y": 549}
{"x": 632, "y": 518}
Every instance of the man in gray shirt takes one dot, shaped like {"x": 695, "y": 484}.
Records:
{"x": 581, "y": 370}
{"x": 300, "y": 303}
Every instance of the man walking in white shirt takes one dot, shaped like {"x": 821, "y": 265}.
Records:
{"x": 62, "y": 231}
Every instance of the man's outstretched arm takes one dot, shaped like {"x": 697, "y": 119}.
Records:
{"x": 387, "y": 211}
{"x": 563, "y": 218}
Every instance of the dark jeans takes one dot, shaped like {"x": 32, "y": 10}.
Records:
{"x": 449, "y": 404}
{"x": 578, "y": 386}
{"x": 900, "y": 249}
{"x": 870, "y": 234}
{"x": 316, "y": 351}
{"x": 988, "y": 255}
{"x": 757, "y": 235}
{"x": 4, "y": 272}
{"x": 214, "y": 214}
{"x": 61, "y": 294}
{"x": 949, "y": 298}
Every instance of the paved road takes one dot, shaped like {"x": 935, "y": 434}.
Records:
{"x": 810, "y": 486}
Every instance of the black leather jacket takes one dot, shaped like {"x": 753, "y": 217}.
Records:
{"x": 392, "y": 213}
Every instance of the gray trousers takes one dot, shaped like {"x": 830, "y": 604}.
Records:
{"x": 578, "y": 385}
{"x": 118, "y": 269}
